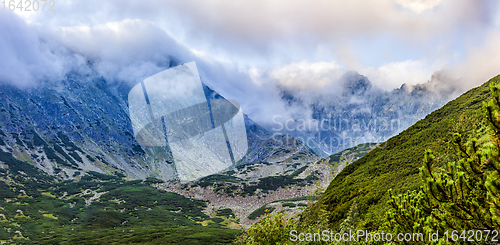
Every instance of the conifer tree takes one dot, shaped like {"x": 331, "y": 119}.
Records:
{"x": 352, "y": 219}
{"x": 461, "y": 195}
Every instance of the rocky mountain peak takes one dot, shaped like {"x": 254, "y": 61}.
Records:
{"x": 354, "y": 83}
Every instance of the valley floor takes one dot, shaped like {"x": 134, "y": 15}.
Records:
{"x": 277, "y": 200}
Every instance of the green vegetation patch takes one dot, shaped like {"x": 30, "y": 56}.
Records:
{"x": 226, "y": 212}
{"x": 143, "y": 235}
{"x": 96, "y": 209}
{"x": 216, "y": 178}
{"x": 395, "y": 165}
{"x": 260, "y": 211}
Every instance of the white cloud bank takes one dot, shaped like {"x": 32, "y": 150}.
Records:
{"x": 128, "y": 50}
{"x": 419, "y": 6}
{"x": 25, "y": 59}
{"x": 247, "y": 49}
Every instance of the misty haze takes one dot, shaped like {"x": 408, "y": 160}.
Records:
{"x": 249, "y": 122}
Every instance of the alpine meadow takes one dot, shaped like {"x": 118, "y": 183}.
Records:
{"x": 249, "y": 122}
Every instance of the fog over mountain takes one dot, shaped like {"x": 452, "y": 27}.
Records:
{"x": 312, "y": 70}
{"x": 184, "y": 121}
{"x": 357, "y": 112}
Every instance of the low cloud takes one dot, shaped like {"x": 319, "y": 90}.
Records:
{"x": 323, "y": 77}
{"x": 128, "y": 50}
{"x": 306, "y": 76}
{"x": 481, "y": 63}
{"x": 247, "y": 30}
{"x": 394, "y": 74}
{"x": 26, "y": 59}
{"x": 251, "y": 51}
{"x": 419, "y": 6}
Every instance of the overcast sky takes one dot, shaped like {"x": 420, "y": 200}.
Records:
{"x": 246, "y": 49}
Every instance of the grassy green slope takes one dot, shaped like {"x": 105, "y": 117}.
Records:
{"x": 192, "y": 235}
{"x": 97, "y": 209}
{"x": 395, "y": 164}
{"x": 337, "y": 160}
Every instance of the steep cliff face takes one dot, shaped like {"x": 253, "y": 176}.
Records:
{"x": 395, "y": 164}
{"x": 357, "y": 112}
{"x": 81, "y": 123}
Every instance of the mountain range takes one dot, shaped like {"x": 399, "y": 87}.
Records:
{"x": 81, "y": 124}
{"x": 356, "y": 112}
{"x": 396, "y": 165}
{"x": 67, "y": 149}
